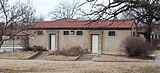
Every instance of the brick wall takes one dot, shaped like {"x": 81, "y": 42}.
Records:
{"x": 107, "y": 44}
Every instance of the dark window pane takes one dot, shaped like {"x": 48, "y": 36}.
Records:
{"x": 40, "y": 32}
{"x": 152, "y": 36}
{"x": 134, "y": 33}
{"x": 155, "y": 36}
{"x": 0, "y": 39}
{"x": 111, "y": 33}
{"x": 79, "y": 33}
{"x": 18, "y": 37}
{"x": 66, "y": 32}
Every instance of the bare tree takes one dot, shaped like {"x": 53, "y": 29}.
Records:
{"x": 40, "y": 18}
{"x": 15, "y": 16}
{"x": 65, "y": 10}
{"x": 29, "y": 15}
{"x": 146, "y": 12}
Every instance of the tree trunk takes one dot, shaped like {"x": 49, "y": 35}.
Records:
{"x": 13, "y": 44}
{"x": 26, "y": 41}
{"x": 1, "y": 40}
{"x": 148, "y": 33}
{"x": 149, "y": 30}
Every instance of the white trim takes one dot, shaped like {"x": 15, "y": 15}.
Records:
{"x": 95, "y": 43}
{"x": 53, "y": 42}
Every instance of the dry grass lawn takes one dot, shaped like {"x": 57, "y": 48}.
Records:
{"x": 156, "y": 52}
{"x": 116, "y": 58}
{"x": 60, "y": 58}
{"x": 75, "y": 67}
{"x": 18, "y": 54}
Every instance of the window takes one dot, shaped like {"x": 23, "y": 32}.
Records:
{"x": 79, "y": 33}
{"x": 40, "y": 32}
{"x": 134, "y": 33}
{"x": 18, "y": 37}
{"x": 151, "y": 36}
{"x": 111, "y": 33}
{"x": 0, "y": 39}
{"x": 155, "y": 36}
{"x": 66, "y": 33}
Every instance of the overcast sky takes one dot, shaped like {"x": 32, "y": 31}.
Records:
{"x": 43, "y": 7}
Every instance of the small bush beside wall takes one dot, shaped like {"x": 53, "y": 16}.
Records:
{"x": 35, "y": 48}
{"x": 136, "y": 46}
{"x": 73, "y": 51}
{"x": 156, "y": 43}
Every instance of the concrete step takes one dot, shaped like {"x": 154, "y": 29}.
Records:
{"x": 41, "y": 57}
{"x": 86, "y": 57}
{"x": 34, "y": 55}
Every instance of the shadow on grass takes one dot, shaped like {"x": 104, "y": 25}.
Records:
{"x": 137, "y": 57}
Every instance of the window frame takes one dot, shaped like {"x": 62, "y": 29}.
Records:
{"x": 111, "y": 33}
{"x": 79, "y": 33}
{"x": 40, "y": 33}
{"x": 64, "y": 32}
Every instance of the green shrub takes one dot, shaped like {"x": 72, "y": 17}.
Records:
{"x": 156, "y": 43}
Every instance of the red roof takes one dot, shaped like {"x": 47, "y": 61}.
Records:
{"x": 141, "y": 29}
{"x": 73, "y": 23}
